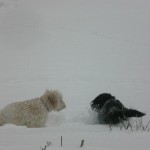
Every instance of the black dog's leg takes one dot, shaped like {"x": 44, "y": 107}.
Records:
{"x": 113, "y": 117}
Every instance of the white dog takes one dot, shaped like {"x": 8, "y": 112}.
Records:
{"x": 32, "y": 113}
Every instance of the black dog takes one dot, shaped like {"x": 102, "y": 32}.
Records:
{"x": 112, "y": 111}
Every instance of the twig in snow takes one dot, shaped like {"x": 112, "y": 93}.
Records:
{"x": 61, "y": 141}
{"x": 82, "y": 143}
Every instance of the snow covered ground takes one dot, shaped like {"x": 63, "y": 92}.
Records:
{"x": 82, "y": 48}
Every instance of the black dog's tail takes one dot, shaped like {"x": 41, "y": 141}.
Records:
{"x": 133, "y": 113}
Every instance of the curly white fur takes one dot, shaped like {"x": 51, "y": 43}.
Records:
{"x": 32, "y": 113}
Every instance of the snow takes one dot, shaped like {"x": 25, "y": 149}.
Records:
{"x": 82, "y": 48}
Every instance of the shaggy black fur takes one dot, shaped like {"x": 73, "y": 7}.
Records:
{"x": 112, "y": 111}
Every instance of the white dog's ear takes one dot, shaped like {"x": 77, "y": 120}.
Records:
{"x": 53, "y": 102}
{"x": 52, "y": 98}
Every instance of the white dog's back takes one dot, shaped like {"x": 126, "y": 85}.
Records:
{"x": 24, "y": 113}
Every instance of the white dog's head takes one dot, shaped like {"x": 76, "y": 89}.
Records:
{"x": 53, "y": 100}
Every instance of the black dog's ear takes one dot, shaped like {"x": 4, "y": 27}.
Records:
{"x": 100, "y": 100}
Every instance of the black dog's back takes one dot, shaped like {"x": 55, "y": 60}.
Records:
{"x": 112, "y": 111}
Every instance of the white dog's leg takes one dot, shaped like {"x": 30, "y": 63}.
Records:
{"x": 2, "y": 119}
{"x": 34, "y": 125}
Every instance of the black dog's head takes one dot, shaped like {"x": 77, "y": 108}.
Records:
{"x": 100, "y": 100}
